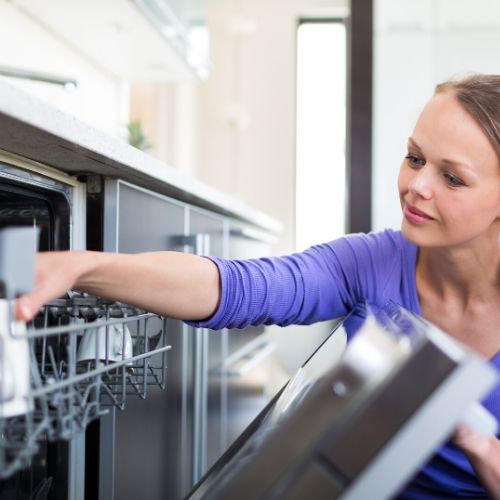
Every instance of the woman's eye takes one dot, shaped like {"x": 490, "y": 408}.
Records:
{"x": 451, "y": 180}
{"x": 415, "y": 160}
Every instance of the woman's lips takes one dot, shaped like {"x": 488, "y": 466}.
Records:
{"x": 415, "y": 216}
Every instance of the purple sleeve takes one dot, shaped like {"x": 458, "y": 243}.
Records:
{"x": 323, "y": 282}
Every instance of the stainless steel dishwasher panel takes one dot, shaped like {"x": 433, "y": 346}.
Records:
{"x": 360, "y": 428}
{"x": 210, "y": 388}
{"x": 152, "y": 446}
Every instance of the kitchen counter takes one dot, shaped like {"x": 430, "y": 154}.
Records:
{"x": 33, "y": 129}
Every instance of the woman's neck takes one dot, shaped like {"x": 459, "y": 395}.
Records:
{"x": 465, "y": 273}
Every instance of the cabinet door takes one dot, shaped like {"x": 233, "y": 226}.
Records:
{"x": 152, "y": 437}
{"x": 210, "y": 346}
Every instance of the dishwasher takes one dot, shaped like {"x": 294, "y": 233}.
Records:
{"x": 81, "y": 357}
{"x": 361, "y": 424}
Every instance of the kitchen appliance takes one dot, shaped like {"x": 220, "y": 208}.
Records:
{"x": 29, "y": 199}
{"x": 80, "y": 357}
{"x": 360, "y": 428}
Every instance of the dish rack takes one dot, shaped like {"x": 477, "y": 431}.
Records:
{"x": 76, "y": 373}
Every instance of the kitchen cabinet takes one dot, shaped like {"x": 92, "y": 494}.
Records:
{"x": 136, "y": 40}
{"x": 209, "y": 230}
{"x": 183, "y": 24}
{"x": 155, "y": 460}
{"x": 188, "y": 427}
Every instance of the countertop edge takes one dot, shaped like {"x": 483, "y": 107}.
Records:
{"x": 34, "y": 129}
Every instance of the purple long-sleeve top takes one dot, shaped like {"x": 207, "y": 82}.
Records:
{"x": 328, "y": 281}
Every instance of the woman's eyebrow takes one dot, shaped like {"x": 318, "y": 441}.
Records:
{"x": 414, "y": 144}
{"x": 447, "y": 161}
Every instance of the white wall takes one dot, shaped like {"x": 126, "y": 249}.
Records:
{"x": 100, "y": 99}
{"x": 419, "y": 43}
{"x": 247, "y": 106}
{"x": 247, "y": 124}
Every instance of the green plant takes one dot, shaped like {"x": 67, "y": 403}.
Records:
{"x": 136, "y": 136}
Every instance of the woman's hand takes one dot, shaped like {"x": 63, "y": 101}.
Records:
{"x": 483, "y": 453}
{"x": 55, "y": 273}
{"x": 470, "y": 442}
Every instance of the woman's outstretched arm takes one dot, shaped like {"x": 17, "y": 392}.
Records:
{"x": 173, "y": 284}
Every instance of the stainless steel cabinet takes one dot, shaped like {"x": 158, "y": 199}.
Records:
{"x": 215, "y": 379}
{"x": 152, "y": 449}
{"x": 210, "y": 349}
{"x": 163, "y": 445}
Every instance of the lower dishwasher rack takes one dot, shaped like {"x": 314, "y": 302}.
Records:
{"x": 83, "y": 355}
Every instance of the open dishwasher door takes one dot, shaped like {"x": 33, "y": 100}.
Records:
{"x": 361, "y": 428}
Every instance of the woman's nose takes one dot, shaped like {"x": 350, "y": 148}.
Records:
{"x": 421, "y": 183}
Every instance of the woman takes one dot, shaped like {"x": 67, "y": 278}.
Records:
{"x": 444, "y": 265}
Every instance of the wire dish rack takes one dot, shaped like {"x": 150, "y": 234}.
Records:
{"x": 81, "y": 355}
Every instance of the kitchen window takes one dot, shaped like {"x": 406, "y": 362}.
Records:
{"x": 320, "y": 131}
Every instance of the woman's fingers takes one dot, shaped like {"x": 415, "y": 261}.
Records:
{"x": 25, "y": 309}
{"x": 54, "y": 275}
{"x": 466, "y": 438}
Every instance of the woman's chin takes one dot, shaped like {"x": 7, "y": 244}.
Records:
{"x": 412, "y": 234}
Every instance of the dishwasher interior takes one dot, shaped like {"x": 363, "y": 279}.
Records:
{"x": 80, "y": 357}
{"x": 86, "y": 355}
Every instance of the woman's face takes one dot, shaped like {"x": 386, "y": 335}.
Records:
{"x": 449, "y": 182}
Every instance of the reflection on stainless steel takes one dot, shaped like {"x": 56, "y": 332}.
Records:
{"x": 361, "y": 428}
{"x": 241, "y": 362}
